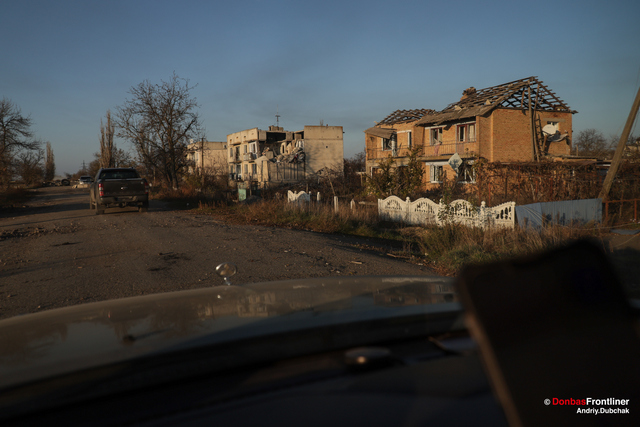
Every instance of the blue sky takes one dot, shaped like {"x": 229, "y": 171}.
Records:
{"x": 348, "y": 63}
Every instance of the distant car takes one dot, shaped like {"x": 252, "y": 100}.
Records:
{"x": 85, "y": 179}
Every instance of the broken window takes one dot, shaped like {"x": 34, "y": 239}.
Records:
{"x": 467, "y": 172}
{"x": 386, "y": 144}
{"x": 436, "y": 136}
{"x": 409, "y": 139}
{"x": 436, "y": 171}
{"x": 467, "y": 132}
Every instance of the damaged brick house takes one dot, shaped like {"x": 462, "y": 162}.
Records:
{"x": 276, "y": 156}
{"x": 519, "y": 121}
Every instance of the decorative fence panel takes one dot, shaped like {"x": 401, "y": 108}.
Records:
{"x": 426, "y": 212}
{"x": 300, "y": 197}
{"x": 392, "y": 209}
{"x": 423, "y": 211}
{"x": 503, "y": 215}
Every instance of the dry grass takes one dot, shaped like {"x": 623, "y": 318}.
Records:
{"x": 445, "y": 249}
{"x": 450, "y": 247}
{"x": 313, "y": 217}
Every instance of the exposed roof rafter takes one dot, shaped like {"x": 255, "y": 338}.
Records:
{"x": 512, "y": 95}
{"x": 402, "y": 116}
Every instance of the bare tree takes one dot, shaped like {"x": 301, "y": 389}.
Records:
{"x": 29, "y": 166}
{"x": 159, "y": 120}
{"x": 591, "y": 142}
{"x": 123, "y": 159}
{"x": 119, "y": 159}
{"x": 49, "y": 164}
{"x": 106, "y": 143}
{"x": 15, "y": 137}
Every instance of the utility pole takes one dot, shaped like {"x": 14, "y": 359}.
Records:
{"x": 202, "y": 161}
{"x": 617, "y": 157}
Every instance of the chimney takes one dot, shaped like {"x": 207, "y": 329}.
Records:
{"x": 467, "y": 93}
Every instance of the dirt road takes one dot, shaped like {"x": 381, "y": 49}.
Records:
{"x": 55, "y": 252}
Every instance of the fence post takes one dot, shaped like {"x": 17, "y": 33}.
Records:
{"x": 335, "y": 204}
{"x": 353, "y": 204}
{"x": 318, "y": 197}
{"x": 407, "y": 215}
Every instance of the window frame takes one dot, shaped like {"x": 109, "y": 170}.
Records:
{"x": 436, "y": 171}
{"x": 387, "y": 143}
{"x": 466, "y": 128}
{"x": 439, "y": 130}
{"x": 468, "y": 173}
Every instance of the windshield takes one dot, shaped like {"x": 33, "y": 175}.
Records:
{"x": 345, "y": 162}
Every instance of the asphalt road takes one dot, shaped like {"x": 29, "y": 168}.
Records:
{"x": 55, "y": 252}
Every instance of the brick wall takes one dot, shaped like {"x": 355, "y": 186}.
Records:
{"x": 373, "y": 144}
{"x": 511, "y": 136}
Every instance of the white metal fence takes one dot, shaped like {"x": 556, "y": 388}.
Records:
{"x": 425, "y": 211}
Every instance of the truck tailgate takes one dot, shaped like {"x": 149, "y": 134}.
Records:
{"x": 123, "y": 187}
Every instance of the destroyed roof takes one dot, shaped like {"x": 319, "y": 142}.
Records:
{"x": 380, "y": 132}
{"x": 398, "y": 116}
{"x": 404, "y": 116}
{"x": 514, "y": 94}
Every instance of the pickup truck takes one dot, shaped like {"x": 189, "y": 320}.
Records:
{"x": 118, "y": 187}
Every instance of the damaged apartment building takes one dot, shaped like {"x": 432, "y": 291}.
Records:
{"x": 276, "y": 156}
{"x": 519, "y": 121}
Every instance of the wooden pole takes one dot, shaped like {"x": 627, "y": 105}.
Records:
{"x": 536, "y": 155}
{"x": 202, "y": 162}
{"x": 617, "y": 157}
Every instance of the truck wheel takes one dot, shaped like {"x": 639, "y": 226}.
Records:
{"x": 99, "y": 209}
{"x": 144, "y": 207}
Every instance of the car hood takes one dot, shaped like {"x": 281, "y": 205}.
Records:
{"x": 41, "y": 345}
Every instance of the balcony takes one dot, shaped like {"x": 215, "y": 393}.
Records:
{"x": 449, "y": 148}
{"x": 444, "y": 148}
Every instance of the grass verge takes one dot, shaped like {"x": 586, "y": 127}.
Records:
{"x": 444, "y": 249}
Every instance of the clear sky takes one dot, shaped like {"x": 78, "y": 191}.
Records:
{"x": 347, "y": 63}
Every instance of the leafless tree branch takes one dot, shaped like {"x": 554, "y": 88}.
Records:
{"x": 159, "y": 120}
